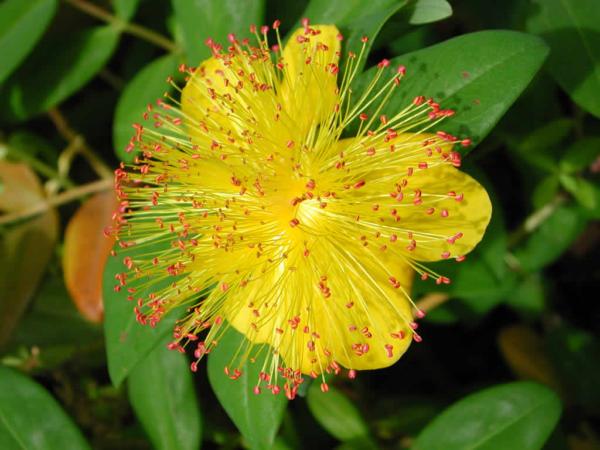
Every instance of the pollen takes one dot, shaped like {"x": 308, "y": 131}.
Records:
{"x": 270, "y": 221}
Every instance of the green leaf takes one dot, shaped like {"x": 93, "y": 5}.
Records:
{"x": 576, "y": 356}
{"x": 580, "y": 155}
{"x": 21, "y": 26}
{"x": 582, "y": 190}
{"x": 428, "y": 11}
{"x": 528, "y": 295}
{"x": 201, "y": 19}
{"x": 479, "y": 75}
{"x": 355, "y": 18}
{"x": 336, "y": 413}
{"x": 161, "y": 391}
{"x": 538, "y": 147}
{"x": 54, "y": 321}
{"x": 545, "y": 191}
{"x": 146, "y": 87}
{"x": 128, "y": 342}
{"x": 516, "y": 415}
{"x": 571, "y": 28}
{"x": 256, "y": 416}
{"x": 551, "y": 238}
{"x": 58, "y": 67}
{"x": 31, "y": 419}
{"x": 125, "y": 9}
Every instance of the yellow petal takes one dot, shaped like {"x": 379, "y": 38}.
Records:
{"x": 453, "y": 211}
{"x": 309, "y": 88}
{"x": 363, "y": 324}
{"x": 466, "y": 219}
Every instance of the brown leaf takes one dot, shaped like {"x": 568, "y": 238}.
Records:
{"x": 524, "y": 352}
{"x": 85, "y": 253}
{"x": 25, "y": 247}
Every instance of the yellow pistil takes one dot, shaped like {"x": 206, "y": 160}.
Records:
{"x": 306, "y": 242}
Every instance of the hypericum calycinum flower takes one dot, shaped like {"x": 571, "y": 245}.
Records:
{"x": 300, "y": 239}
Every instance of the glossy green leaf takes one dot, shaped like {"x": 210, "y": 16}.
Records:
{"x": 125, "y": 9}
{"x": 428, "y": 11}
{"x": 336, "y": 413}
{"x": 128, "y": 342}
{"x": 516, "y": 415}
{"x": 479, "y": 75}
{"x": 572, "y": 29}
{"x": 580, "y": 155}
{"x": 201, "y": 19}
{"x": 58, "y": 67}
{"x": 256, "y": 416}
{"x": 22, "y": 24}
{"x": 30, "y": 418}
{"x": 354, "y": 19}
{"x": 161, "y": 391}
{"x": 551, "y": 238}
{"x": 145, "y": 88}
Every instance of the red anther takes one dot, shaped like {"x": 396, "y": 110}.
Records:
{"x": 294, "y": 222}
{"x": 418, "y": 100}
{"x": 276, "y": 24}
{"x": 290, "y": 144}
{"x": 275, "y": 390}
{"x": 264, "y": 29}
{"x": 460, "y": 258}
{"x": 224, "y": 287}
{"x": 340, "y": 37}
{"x": 371, "y": 151}
{"x": 445, "y": 255}
{"x": 422, "y": 165}
{"x": 256, "y": 390}
{"x": 182, "y": 68}
{"x": 459, "y": 198}
{"x": 301, "y": 39}
{"x": 364, "y": 39}
{"x": 306, "y": 252}
{"x": 305, "y": 22}
{"x": 430, "y": 211}
{"x": 444, "y": 213}
{"x": 352, "y": 374}
{"x": 401, "y": 70}
{"x": 231, "y": 38}
{"x": 324, "y": 387}
{"x": 399, "y": 196}
{"x": 359, "y": 184}
{"x": 252, "y": 28}
{"x": 417, "y": 338}
{"x": 410, "y": 171}
{"x": 383, "y": 63}
{"x": 310, "y": 184}
{"x": 420, "y": 313}
{"x": 424, "y": 276}
{"x": 384, "y": 120}
{"x": 393, "y": 238}
{"x": 363, "y": 116}
{"x": 389, "y": 350}
{"x": 194, "y": 366}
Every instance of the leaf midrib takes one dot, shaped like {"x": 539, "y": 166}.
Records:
{"x": 507, "y": 425}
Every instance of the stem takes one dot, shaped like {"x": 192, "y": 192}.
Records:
{"x": 431, "y": 301}
{"x": 74, "y": 138}
{"x": 131, "y": 28}
{"x": 535, "y": 219}
{"x": 56, "y": 200}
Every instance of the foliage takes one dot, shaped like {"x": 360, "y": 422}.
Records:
{"x": 77, "y": 371}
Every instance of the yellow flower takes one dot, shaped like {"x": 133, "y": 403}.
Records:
{"x": 309, "y": 239}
